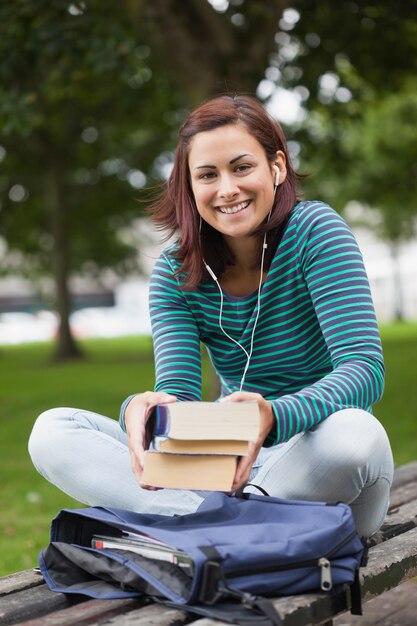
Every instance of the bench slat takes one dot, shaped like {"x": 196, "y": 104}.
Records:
{"x": 34, "y": 602}
{"x": 398, "y": 521}
{"x": 390, "y": 564}
{"x": 402, "y": 495}
{"x": 405, "y": 474}
{"x": 88, "y": 612}
{"x": 22, "y": 580}
{"x": 154, "y": 614}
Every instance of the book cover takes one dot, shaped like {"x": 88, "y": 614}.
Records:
{"x": 212, "y": 472}
{"x": 207, "y": 420}
{"x": 146, "y": 547}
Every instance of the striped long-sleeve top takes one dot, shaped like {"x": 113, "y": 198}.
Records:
{"x": 316, "y": 345}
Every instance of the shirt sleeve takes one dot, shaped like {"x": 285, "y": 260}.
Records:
{"x": 175, "y": 335}
{"x": 332, "y": 267}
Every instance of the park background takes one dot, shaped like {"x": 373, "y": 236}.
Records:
{"x": 91, "y": 99}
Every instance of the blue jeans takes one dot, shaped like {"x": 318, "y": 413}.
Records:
{"x": 345, "y": 458}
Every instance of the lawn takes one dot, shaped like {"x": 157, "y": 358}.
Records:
{"x": 114, "y": 368}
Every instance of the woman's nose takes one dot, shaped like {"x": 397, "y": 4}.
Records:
{"x": 228, "y": 187}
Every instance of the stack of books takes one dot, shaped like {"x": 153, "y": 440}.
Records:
{"x": 196, "y": 445}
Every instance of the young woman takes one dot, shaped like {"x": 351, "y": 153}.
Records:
{"x": 277, "y": 291}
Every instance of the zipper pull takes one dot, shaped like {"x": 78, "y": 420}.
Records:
{"x": 326, "y": 582}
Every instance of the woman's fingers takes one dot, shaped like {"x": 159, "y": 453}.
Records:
{"x": 267, "y": 420}
{"x": 137, "y": 414}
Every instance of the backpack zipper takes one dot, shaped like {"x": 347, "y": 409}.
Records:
{"x": 326, "y": 582}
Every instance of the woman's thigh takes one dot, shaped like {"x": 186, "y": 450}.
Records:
{"x": 345, "y": 458}
{"x": 86, "y": 455}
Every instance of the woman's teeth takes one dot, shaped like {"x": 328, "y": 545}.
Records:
{"x": 234, "y": 209}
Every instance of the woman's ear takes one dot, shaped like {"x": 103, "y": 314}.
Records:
{"x": 280, "y": 164}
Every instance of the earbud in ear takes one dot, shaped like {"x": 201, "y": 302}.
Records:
{"x": 277, "y": 175}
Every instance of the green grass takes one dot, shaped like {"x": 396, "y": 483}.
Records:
{"x": 398, "y": 407}
{"x": 31, "y": 383}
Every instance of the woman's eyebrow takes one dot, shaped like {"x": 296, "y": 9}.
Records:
{"x": 199, "y": 167}
{"x": 237, "y": 158}
{"x": 213, "y": 167}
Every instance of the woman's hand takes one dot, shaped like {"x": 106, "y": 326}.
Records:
{"x": 267, "y": 422}
{"x": 137, "y": 414}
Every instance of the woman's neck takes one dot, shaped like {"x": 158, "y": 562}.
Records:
{"x": 245, "y": 250}
{"x": 241, "y": 279}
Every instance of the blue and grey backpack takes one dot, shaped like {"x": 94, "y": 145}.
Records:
{"x": 228, "y": 557}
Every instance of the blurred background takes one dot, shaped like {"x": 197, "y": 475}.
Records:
{"x": 91, "y": 99}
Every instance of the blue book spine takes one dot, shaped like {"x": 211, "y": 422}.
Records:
{"x": 162, "y": 421}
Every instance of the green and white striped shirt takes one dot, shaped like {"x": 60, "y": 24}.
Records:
{"x": 316, "y": 346}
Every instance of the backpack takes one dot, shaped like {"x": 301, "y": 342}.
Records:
{"x": 226, "y": 558}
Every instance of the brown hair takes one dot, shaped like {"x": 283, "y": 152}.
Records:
{"x": 175, "y": 209}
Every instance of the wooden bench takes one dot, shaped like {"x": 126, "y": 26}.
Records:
{"x": 25, "y": 599}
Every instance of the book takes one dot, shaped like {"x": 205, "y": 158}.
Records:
{"x": 200, "y": 446}
{"x": 207, "y": 420}
{"x": 146, "y": 547}
{"x": 211, "y": 472}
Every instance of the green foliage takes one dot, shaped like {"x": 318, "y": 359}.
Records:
{"x": 384, "y": 164}
{"x": 91, "y": 94}
{"x": 355, "y": 66}
{"x": 75, "y": 89}
{"x": 31, "y": 384}
{"x": 370, "y": 47}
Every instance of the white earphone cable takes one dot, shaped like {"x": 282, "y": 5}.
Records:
{"x": 258, "y": 300}
{"x": 258, "y": 310}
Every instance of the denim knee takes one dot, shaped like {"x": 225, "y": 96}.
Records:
{"x": 356, "y": 442}
{"x": 46, "y": 436}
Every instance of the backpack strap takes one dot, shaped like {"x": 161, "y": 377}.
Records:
{"x": 212, "y": 576}
{"x": 356, "y": 596}
{"x": 246, "y": 608}
{"x": 240, "y": 492}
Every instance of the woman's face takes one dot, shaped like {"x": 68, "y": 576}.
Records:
{"x": 232, "y": 180}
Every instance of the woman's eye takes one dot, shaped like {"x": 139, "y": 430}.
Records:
{"x": 206, "y": 175}
{"x": 242, "y": 168}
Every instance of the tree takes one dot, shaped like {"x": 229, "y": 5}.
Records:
{"x": 383, "y": 149}
{"x": 69, "y": 140}
{"x": 354, "y": 68}
{"x": 90, "y": 96}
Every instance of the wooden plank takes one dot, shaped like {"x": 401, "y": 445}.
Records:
{"x": 34, "y": 602}
{"x": 403, "y": 494}
{"x": 389, "y": 564}
{"x": 154, "y": 614}
{"x": 86, "y": 613}
{"x": 405, "y": 474}
{"x": 19, "y": 581}
{"x": 398, "y": 521}
{"x": 402, "y": 513}
{"x": 396, "y": 607}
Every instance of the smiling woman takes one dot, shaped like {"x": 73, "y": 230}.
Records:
{"x": 226, "y": 160}
{"x": 271, "y": 285}
{"x": 234, "y": 194}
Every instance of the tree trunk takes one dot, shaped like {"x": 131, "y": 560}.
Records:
{"x": 66, "y": 347}
{"x": 204, "y": 51}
